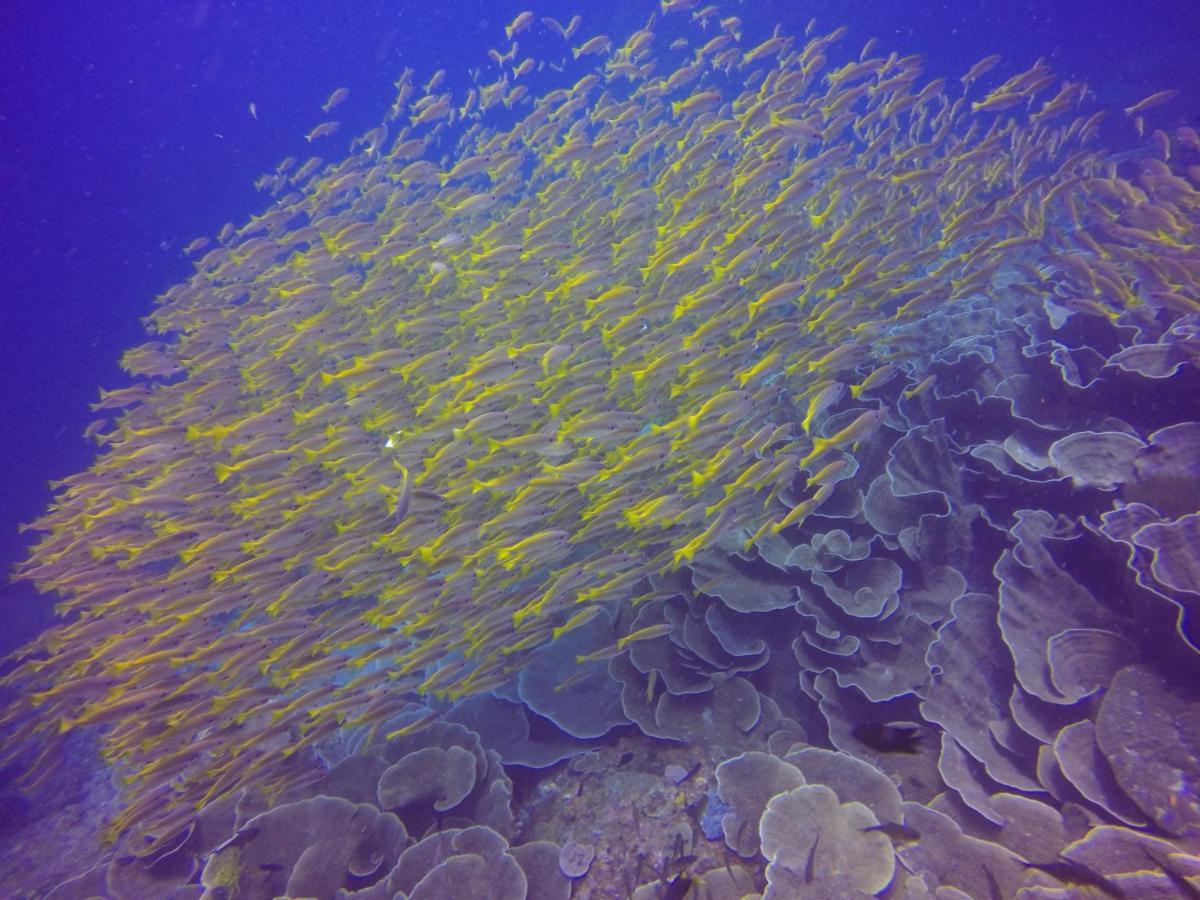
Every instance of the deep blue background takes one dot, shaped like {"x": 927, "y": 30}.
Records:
{"x": 125, "y": 132}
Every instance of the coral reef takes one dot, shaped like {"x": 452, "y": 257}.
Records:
{"x": 737, "y": 472}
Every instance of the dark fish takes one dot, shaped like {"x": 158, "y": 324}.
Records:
{"x": 810, "y": 866}
{"x": 1070, "y": 872}
{"x": 728, "y": 867}
{"x": 1185, "y": 887}
{"x": 888, "y": 738}
{"x": 737, "y": 836}
{"x": 994, "y": 892}
{"x": 641, "y": 861}
{"x": 895, "y": 831}
{"x": 677, "y": 850}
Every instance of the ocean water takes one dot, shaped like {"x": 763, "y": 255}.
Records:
{"x": 704, "y": 450}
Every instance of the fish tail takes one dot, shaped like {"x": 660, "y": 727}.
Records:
{"x": 820, "y": 445}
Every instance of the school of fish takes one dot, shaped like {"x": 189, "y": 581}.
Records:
{"x": 450, "y": 397}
